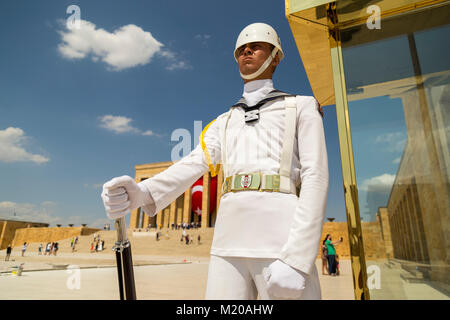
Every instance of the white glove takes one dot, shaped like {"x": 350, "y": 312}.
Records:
{"x": 283, "y": 281}
{"x": 122, "y": 194}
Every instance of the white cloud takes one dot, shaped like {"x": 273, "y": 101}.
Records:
{"x": 382, "y": 183}
{"x": 43, "y": 212}
{"x": 394, "y": 141}
{"x": 178, "y": 65}
{"x": 12, "y": 149}
{"x": 120, "y": 124}
{"x": 148, "y": 133}
{"x": 117, "y": 124}
{"x": 396, "y": 160}
{"x": 126, "y": 47}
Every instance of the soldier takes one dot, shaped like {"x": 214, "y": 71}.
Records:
{"x": 269, "y": 143}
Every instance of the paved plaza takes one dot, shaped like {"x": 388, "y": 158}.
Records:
{"x": 157, "y": 278}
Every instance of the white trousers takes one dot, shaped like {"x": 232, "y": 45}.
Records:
{"x": 238, "y": 278}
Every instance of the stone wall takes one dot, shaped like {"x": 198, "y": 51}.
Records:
{"x": 49, "y": 234}
{"x": 8, "y": 230}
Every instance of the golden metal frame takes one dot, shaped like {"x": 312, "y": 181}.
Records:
{"x": 357, "y": 256}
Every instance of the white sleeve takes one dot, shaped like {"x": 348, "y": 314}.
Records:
{"x": 168, "y": 185}
{"x": 301, "y": 249}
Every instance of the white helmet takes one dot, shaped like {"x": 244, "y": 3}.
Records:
{"x": 259, "y": 32}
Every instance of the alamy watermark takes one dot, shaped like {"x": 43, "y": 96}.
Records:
{"x": 73, "y": 21}
{"x": 74, "y": 280}
{"x": 374, "y": 21}
{"x": 373, "y": 277}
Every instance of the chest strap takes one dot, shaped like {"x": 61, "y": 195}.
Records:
{"x": 290, "y": 105}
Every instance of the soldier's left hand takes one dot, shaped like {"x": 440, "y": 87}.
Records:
{"x": 283, "y": 281}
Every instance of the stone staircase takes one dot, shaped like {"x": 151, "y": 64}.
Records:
{"x": 142, "y": 242}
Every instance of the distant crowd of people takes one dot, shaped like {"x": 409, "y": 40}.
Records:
{"x": 179, "y": 226}
{"x": 188, "y": 239}
{"x": 51, "y": 248}
{"x": 192, "y": 225}
{"x": 98, "y": 244}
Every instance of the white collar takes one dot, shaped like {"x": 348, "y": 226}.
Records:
{"x": 256, "y": 90}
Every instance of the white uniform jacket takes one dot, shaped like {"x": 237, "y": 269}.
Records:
{"x": 254, "y": 223}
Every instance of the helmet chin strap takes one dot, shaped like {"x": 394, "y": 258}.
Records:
{"x": 262, "y": 68}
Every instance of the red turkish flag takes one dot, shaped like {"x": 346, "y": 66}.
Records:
{"x": 197, "y": 194}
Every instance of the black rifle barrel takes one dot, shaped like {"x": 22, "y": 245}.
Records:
{"x": 127, "y": 288}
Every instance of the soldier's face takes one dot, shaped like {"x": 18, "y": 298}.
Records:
{"x": 252, "y": 55}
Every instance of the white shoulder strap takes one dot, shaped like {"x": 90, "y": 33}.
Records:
{"x": 290, "y": 104}
{"x": 224, "y": 145}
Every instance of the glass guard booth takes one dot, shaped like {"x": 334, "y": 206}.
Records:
{"x": 385, "y": 66}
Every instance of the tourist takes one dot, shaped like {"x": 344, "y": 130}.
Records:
{"x": 332, "y": 254}
{"x": 47, "y": 249}
{"x": 96, "y": 246}
{"x": 198, "y": 239}
{"x": 92, "y": 247}
{"x": 103, "y": 245}
{"x": 24, "y": 248}
{"x": 276, "y": 256}
{"x": 55, "y": 248}
{"x": 187, "y": 239}
{"x": 40, "y": 250}
{"x": 324, "y": 256}
{"x": 72, "y": 242}
{"x": 8, "y": 252}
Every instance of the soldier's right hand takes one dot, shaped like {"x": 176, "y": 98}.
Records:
{"x": 121, "y": 195}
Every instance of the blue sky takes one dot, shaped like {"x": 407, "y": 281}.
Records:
{"x": 74, "y": 115}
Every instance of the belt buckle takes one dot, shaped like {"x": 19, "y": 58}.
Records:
{"x": 246, "y": 181}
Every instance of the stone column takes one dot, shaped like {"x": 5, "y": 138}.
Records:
{"x": 411, "y": 249}
{"x": 159, "y": 219}
{"x": 180, "y": 203}
{"x": 187, "y": 206}
{"x": 414, "y": 228}
{"x": 166, "y": 216}
{"x": 205, "y": 201}
{"x": 173, "y": 213}
{"x": 384, "y": 218}
{"x": 146, "y": 219}
{"x": 134, "y": 219}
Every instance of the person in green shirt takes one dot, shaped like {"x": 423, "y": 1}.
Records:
{"x": 332, "y": 254}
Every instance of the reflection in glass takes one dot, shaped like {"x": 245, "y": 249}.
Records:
{"x": 398, "y": 89}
